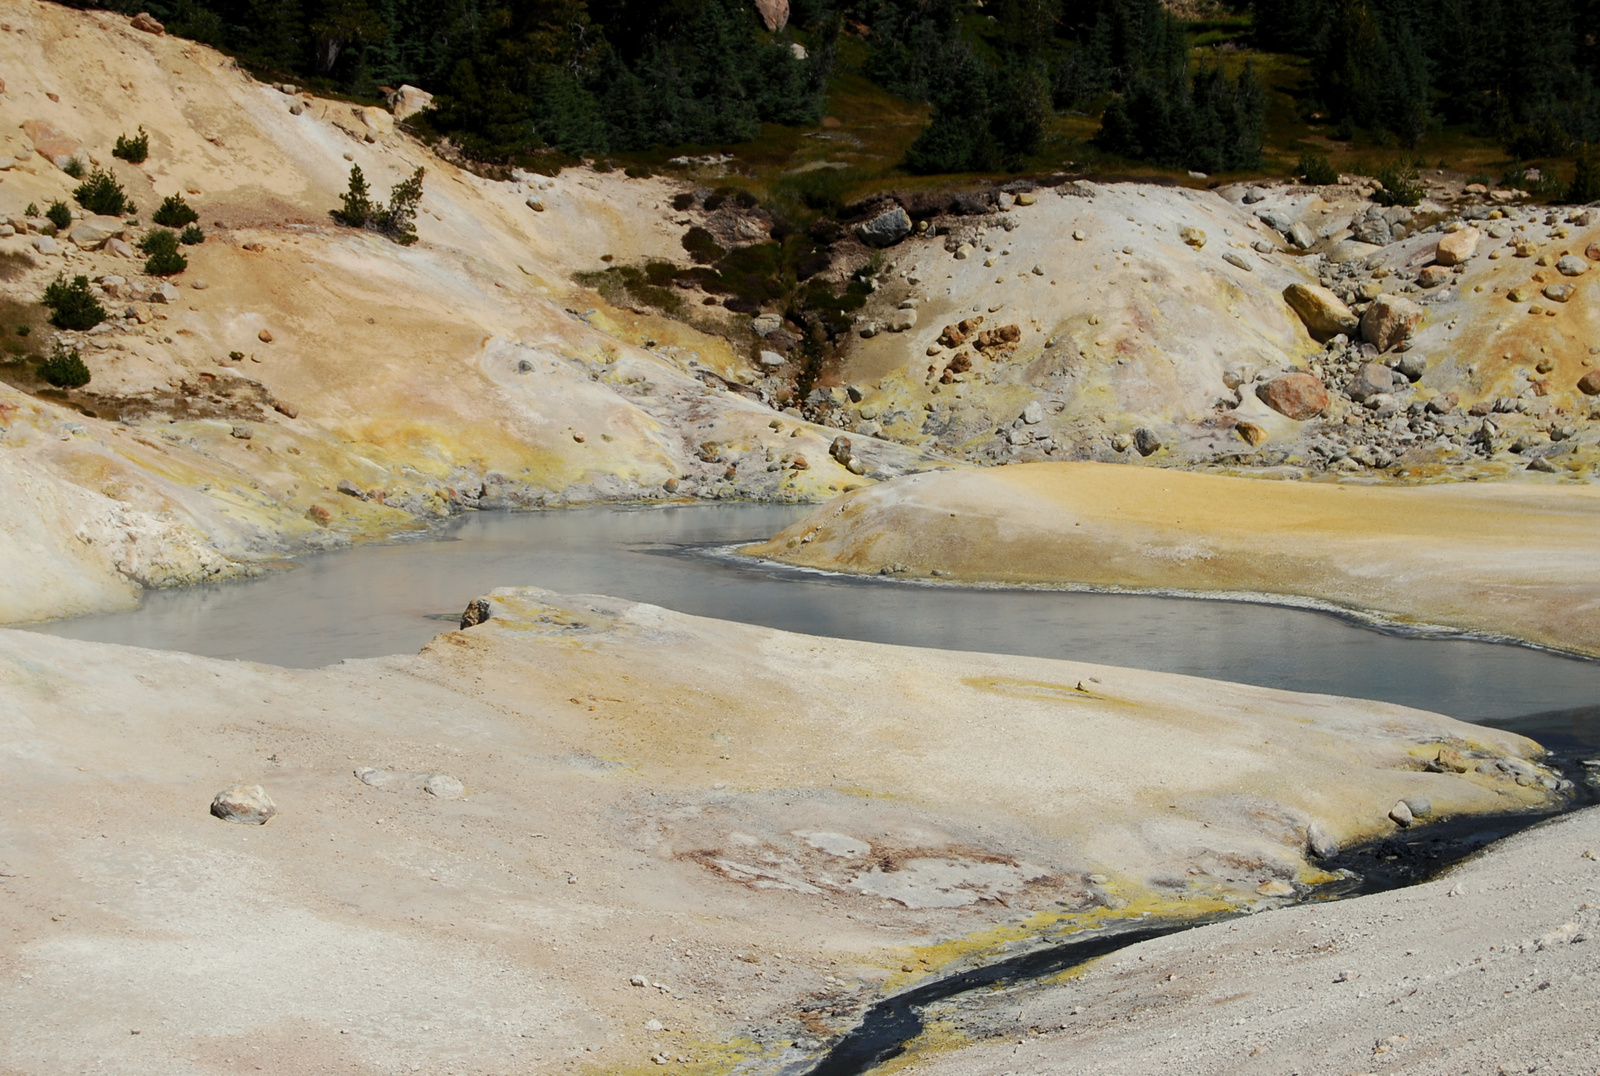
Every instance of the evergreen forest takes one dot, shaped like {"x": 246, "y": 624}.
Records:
{"x": 513, "y": 78}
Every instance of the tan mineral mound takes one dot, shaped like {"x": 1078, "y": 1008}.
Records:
{"x": 1502, "y": 559}
{"x": 597, "y": 833}
{"x": 296, "y": 359}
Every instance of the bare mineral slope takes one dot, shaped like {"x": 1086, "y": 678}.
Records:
{"x": 1488, "y": 969}
{"x": 1514, "y": 560}
{"x": 1130, "y": 306}
{"x": 431, "y": 377}
{"x": 766, "y": 829}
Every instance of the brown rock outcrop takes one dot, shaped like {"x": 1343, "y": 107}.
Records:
{"x": 1298, "y": 396}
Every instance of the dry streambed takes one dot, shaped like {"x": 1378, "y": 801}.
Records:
{"x": 590, "y": 832}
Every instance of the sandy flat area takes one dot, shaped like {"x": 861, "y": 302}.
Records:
{"x": 1509, "y": 560}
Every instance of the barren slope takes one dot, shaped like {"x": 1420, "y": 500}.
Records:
{"x": 445, "y": 374}
{"x": 767, "y": 829}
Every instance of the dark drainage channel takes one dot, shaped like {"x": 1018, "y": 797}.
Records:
{"x": 1407, "y": 858}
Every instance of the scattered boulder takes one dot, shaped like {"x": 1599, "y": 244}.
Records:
{"x": 1250, "y": 433}
{"x": 1146, "y": 440}
{"x": 535, "y": 203}
{"x": 770, "y": 358}
{"x": 265, "y": 336}
{"x": 478, "y": 611}
{"x": 1033, "y": 414}
{"x": 1589, "y": 383}
{"x": 886, "y": 229}
{"x": 118, "y": 248}
{"x": 44, "y": 244}
{"x": 1299, "y": 396}
{"x": 1412, "y": 366}
{"x": 1372, "y": 379}
{"x": 1237, "y": 260}
{"x": 1571, "y": 265}
{"x": 1320, "y": 843}
{"x": 1434, "y": 275}
{"x": 901, "y": 320}
{"x": 1558, "y": 293}
{"x": 1325, "y": 315}
{"x": 147, "y": 23}
{"x": 248, "y": 805}
{"x": 1455, "y": 248}
{"x": 164, "y": 294}
{"x": 92, "y": 231}
{"x": 350, "y": 489}
{"x": 1001, "y": 336}
{"x": 1390, "y": 321}
{"x": 1302, "y": 236}
{"x": 376, "y": 120}
{"x": 1194, "y": 237}
{"x": 1400, "y": 814}
{"x": 1419, "y": 806}
{"x": 764, "y": 324}
{"x": 774, "y": 13}
{"x": 1592, "y": 252}
{"x": 408, "y": 101}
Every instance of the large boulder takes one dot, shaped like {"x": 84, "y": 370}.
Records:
{"x": 1571, "y": 265}
{"x": 1390, "y": 321}
{"x": 1589, "y": 383}
{"x": 775, "y": 13}
{"x": 147, "y": 22}
{"x": 1456, "y": 247}
{"x": 1298, "y": 396}
{"x": 1323, "y": 312}
{"x": 408, "y": 101}
{"x": 886, "y": 229}
{"x": 91, "y": 232}
{"x": 1372, "y": 379}
{"x": 248, "y": 805}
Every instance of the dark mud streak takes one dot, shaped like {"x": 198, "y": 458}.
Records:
{"x": 1407, "y": 858}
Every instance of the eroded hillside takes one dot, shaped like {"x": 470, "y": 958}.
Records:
{"x": 302, "y": 384}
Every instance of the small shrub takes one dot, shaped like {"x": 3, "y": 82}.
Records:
{"x": 64, "y": 369}
{"x": 174, "y": 212}
{"x": 1316, "y": 170}
{"x": 32, "y": 210}
{"x": 163, "y": 259}
{"x": 73, "y": 305}
{"x": 702, "y": 245}
{"x": 24, "y": 330}
{"x": 191, "y": 236}
{"x": 236, "y": 356}
{"x": 1401, "y": 185}
{"x": 397, "y": 220}
{"x": 102, "y": 194}
{"x": 73, "y": 168}
{"x": 58, "y": 214}
{"x": 133, "y": 150}
{"x": 683, "y": 201}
